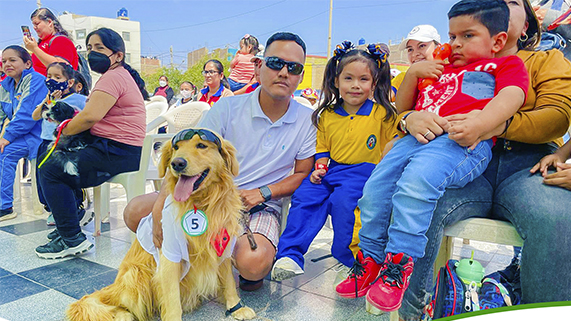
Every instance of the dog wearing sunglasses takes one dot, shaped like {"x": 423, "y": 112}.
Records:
{"x": 199, "y": 170}
{"x": 64, "y": 152}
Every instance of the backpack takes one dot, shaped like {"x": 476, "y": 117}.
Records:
{"x": 452, "y": 296}
{"x": 82, "y": 65}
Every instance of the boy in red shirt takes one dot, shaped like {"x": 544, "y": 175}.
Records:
{"x": 410, "y": 179}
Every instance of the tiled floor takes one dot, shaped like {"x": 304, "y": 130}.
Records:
{"x": 35, "y": 289}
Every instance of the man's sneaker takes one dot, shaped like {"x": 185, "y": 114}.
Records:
{"x": 342, "y": 272}
{"x": 387, "y": 291}
{"x": 53, "y": 234}
{"x": 7, "y": 214}
{"x": 58, "y": 248}
{"x": 84, "y": 216}
{"x": 363, "y": 273}
{"x": 285, "y": 268}
{"x": 50, "y": 220}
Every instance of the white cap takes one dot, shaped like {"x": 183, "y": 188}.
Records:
{"x": 422, "y": 33}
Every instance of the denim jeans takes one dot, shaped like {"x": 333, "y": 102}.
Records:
{"x": 407, "y": 183}
{"x": 96, "y": 163}
{"x": 507, "y": 191}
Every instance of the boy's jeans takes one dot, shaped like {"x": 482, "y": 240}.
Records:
{"x": 507, "y": 191}
{"x": 408, "y": 183}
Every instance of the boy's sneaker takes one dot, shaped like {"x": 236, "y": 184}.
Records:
{"x": 362, "y": 275}
{"x": 387, "y": 291}
{"x": 7, "y": 214}
{"x": 84, "y": 216}
{"x": 53, "y": 234}
{"x": 285, "y": 268}
{"x": 50, "y": 220}
{"x": 58, "y": 248}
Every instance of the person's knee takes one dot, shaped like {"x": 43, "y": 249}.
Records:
{"x": 254, "y": 264}
{"x": 138, "y": 208}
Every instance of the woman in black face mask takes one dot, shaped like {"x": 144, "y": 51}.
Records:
{"x": 115, "y": 116}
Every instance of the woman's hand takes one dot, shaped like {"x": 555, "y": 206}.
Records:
{"x": 561, "y": 178}
{"x": 426, "y": 126}
{"x": 3, "y": 143}
{"x": 317, "y": 175}
{"x": 427, "y": 69}
{"x": 30, "y": 43}
{"x": 251, "y": 197}
{"x": 546, "y": 162}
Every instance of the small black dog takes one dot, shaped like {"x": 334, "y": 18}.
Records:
{"x": 66, "y": 150}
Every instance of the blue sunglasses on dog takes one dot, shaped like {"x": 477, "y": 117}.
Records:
{"x": 204, "y": 134}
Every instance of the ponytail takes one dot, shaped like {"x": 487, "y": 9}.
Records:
{"x": 138, "y": 80}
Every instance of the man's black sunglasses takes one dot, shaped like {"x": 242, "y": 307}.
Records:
{"x": 275, "y": 63}
{"x": 204, "y": 134}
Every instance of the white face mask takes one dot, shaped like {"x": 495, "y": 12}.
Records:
{"x": 162, "y": 83}
{"x": 186, "y": 94}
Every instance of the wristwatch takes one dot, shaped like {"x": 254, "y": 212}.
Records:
{"x": 266, "y": 193}
{"x": 402, "y": 124}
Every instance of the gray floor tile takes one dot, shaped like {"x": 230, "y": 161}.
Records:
{"x": 312, "y": 269}
{"x": 61, "y": 273}
{"x": 261, "y": 299}
{"x": 299, "y": 305}
{"x": 88, "y": 285}
{"x": 363, "y": 315}
{"x": 45, "y": 306}
{"x": 26, "y": 227}
{"x": 107, "y": 251}
{"x": 323, "y": 285}
{"x": 120, "y": 233}
{"x": 17, "y": 254}
{"x": 14, "y": 287}
{"x": 4, "y": 273}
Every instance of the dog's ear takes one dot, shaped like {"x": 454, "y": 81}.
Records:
{"x": 166, "y": 154}
{"x": 229, "y": 155}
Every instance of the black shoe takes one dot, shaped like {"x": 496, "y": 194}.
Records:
{"x": 84, "y": 217}
{"x": 58, "y": 248}
{"x": 247, "y": 285}
{"x": 7, "y": 214}
{"x": 53, "y": 234}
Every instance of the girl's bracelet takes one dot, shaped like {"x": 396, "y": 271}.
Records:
{"x": 321, "y": 166}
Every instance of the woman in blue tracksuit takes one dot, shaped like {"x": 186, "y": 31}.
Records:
{"x": 20, "y": 93}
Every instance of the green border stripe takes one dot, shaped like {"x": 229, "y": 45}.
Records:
{"x": 511, "y": 308}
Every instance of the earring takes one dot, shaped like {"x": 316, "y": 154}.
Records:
{"x": 524, "y": 39}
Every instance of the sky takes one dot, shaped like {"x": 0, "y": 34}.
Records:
{"x": 191, "y": 24}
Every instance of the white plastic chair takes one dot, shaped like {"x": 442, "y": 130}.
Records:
{"x": 36, "y": 205}
{"x": 154, "y": 110}
{"x": 182, "y": 117}
{"x": 133, "y": 182}
{"x": 158, "y": 98}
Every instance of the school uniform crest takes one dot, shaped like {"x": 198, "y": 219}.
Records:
{"x": 371, "y": 142}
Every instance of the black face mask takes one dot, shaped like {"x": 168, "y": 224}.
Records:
{"x": 98, "y": 62}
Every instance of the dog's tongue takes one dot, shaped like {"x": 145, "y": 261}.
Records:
{"x": 184, "y": 187}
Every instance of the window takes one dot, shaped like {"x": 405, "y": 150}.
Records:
{"x": 127, "y": 57}
{"x": 80, "y": 33}
{"x": 126, "y": 36}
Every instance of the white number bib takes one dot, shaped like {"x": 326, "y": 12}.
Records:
{"x": 194, "y": 222}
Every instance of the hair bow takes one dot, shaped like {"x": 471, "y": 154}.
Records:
{"x": 342, "y": 49}
{"x": 379, "y": 52}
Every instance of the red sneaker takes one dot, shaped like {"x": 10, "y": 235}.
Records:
{"x": 363, "y": 273}
{"x": 387, "y": 290}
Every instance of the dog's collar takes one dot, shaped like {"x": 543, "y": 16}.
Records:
{"x": 235, "y": 308}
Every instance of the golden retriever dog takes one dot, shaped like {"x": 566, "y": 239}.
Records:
{"x": 199, "y": 168}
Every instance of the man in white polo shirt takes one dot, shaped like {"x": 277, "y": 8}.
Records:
{"x": 273, "y": 135}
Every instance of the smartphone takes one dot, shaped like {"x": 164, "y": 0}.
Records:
{"x": 26, "y": 31}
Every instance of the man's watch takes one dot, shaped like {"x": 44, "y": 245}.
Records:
{"x": 402, "y": 124}
{"x": 266, "y": 193}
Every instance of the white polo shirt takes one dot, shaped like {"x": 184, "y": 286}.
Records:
{"x": 266, "y": 151}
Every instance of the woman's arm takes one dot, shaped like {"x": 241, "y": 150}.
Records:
{"x": 46, "y": 59}
{"x": 546, "y": 114}
{"x": 96, "y": 108}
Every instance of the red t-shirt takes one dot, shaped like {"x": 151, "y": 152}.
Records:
{"x": 60, "y": 47}
{"x": 463, "y": 89}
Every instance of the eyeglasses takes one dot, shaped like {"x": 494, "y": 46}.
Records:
{"x": 204, "y": 134}
{"x": 209, "y": 72}
{"x": 275, "y": 63}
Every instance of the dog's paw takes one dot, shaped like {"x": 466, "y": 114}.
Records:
{"x": 244, "y": 313}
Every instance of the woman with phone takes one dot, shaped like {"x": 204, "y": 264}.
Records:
{"x": 54, "y": 44}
